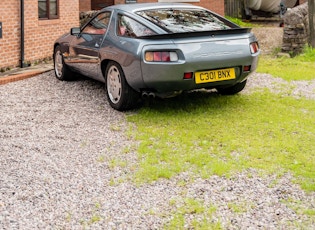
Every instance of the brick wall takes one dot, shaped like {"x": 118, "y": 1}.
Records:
{"x": 214, "y": 5}
{"x": 9, "y": 16}
{"x": 39, "y": 34}
{"x": 99, "y": 4}
{"x": 85, "y": 5}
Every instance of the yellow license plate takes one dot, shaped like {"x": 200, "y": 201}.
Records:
{"x": 214, "y": 75}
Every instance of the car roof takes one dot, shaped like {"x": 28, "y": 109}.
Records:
{"x": 146, "y": 6}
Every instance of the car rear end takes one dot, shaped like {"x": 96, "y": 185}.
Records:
{"x": 201, "y": 62}
{"x": 210, "y": 54}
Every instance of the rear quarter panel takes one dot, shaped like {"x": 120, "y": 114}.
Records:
{"x": 127, "y": 52}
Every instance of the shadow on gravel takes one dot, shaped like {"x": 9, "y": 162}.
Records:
{"x": 187, "y": 101}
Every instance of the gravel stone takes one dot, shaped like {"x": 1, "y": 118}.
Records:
{"x": 61, "y": 145}
{"x": 295, "y": 89}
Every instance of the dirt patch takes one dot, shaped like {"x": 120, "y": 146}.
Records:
{"x": 269, "y": 38}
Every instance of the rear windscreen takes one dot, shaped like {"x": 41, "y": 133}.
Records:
{"x": 185, "y": 20}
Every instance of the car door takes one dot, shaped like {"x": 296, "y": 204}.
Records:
{"x": 84, "y": 49}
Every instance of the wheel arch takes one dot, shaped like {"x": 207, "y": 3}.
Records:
{"x": 104, "y": 64}
{"x": 62, "y": 71}
{"x": 55, "y": 45}
{"x": 62, "y": 49}
{"x": 128, "y": 98}
{"x": 132, "y": 74}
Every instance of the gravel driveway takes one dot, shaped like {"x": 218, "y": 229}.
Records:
{"x": 58, "y": 145}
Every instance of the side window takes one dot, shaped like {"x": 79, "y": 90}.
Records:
{"x": 48, "y": 9}
{"x": 98, "y": 25}
{"x": 128, "y": 27}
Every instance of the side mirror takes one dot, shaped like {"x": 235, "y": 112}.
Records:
{"x": 75, "y": 31}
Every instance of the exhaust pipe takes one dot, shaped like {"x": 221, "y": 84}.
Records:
{"x": 152, "y": 95}
{"x": 146, "y": 94}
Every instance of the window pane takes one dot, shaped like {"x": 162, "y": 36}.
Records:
{"x": 131, "y": 28}
{"x": 184, "y": 20}
{"x": 42, "y": 6}
{"x": 98, "y": 25}
{"x": 53, "y": 7}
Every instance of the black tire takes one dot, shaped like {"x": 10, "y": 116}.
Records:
{"x": 62, "y": 71}
{"x": 232, "y": 89}
{"x": 119, "y": 94}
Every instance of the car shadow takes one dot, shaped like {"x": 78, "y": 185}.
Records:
{"x": 187, "y": 101}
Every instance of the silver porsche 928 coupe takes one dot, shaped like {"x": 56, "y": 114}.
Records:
{"x": 157, "y": 49}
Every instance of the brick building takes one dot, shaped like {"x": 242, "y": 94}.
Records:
{"x": 30, "y": 40}
{"x": 215, "y": 5}
{"x": 44, "y": 21}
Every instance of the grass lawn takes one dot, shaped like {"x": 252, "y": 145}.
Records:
{"x": 211, "y": 134}
{"x": 287, "y": 68}
{"x": 301, "y": 67}
{"x": 208, "y": 134}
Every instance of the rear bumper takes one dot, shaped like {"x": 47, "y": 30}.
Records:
{"x": 164, "y": 78}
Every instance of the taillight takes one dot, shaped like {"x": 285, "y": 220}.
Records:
{"x": 254, "y": 47}
{"x": 246, "y": 68}
{"x": 161, "y": 56}
{"x": 188, "y": 75}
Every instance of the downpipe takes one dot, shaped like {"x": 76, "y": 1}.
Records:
{"x": 22, "y": 31}
{"x": 22, "y": 34}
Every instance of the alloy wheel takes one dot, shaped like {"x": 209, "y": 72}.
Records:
{"x": 114, "y": 85}
{"x": 58, "y": 63}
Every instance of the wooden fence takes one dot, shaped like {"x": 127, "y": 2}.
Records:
{"x": 234, "y": 8}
